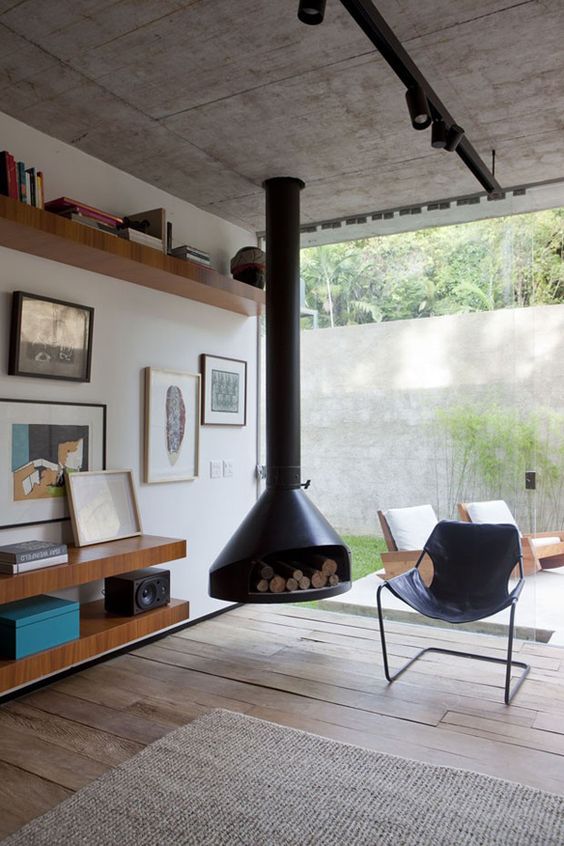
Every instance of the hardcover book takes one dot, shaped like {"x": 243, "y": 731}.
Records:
{"x": 15, "y": 569}
{"x": 32, "y": 550}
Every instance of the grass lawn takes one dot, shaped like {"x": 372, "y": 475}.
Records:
{"x": 365, "y": 551}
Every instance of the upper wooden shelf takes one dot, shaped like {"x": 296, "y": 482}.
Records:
{"x": 50, "y": 236}
{"x": 90, "y": 563}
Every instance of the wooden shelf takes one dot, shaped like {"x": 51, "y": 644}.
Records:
{"x": 50, "y": 236}
{"x": 99, "y": 633}
{"x": 90, "y": 563}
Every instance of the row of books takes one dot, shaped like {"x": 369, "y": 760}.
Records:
{"x": 31, "y": 555}
{"x": 22, "y": 183}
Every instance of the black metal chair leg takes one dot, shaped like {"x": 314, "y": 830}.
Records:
{"x": 507, "y": 662}
{"x": 509, "y": 694}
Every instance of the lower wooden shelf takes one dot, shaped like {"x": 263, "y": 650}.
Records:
{"x": 99, "y": 633}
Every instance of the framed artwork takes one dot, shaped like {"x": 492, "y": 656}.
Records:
{"x": 224, "y": 399}
{"x": 49, "y": 338}
{"x": 103, "y": 506}
{"x": 172, "y": 425}
{"x": 38, "y": 442}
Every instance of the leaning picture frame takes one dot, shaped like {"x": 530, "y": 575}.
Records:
{"x": 172, "y": 425}
{"x": 50, "y": 339}
{"x": 224, "y": 391}
{"x": 103, "y": 506}
{"x": 38, "y": 442}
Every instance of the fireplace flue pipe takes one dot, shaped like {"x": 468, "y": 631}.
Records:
{"x": 283, "y": 332}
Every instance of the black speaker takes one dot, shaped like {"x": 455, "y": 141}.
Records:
{"x": 133, "y": 593}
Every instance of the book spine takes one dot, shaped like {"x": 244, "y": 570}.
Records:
{"x": 13, "y": 177}
{"x": 44, "y": 562}
{"x": 4, "y": 174}
{"x": 41, "y": 188}
{"x": 28, "y": 187}
{"x": 36, "y": 555}
{"x": 22, "y": 191}
{"x": 33, "y": 186}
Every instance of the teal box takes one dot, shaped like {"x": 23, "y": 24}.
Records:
{"x": 32, "y": 625}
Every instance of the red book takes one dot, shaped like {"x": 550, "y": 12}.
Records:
{"x": 13, "y": 178}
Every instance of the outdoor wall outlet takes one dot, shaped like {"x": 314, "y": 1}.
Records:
{"x": 227, "y": 468}
{"x": 215, "y": 469}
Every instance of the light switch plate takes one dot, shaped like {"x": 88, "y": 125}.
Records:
{"x": 227, "y": 467}
{"x": 215, "y": 469}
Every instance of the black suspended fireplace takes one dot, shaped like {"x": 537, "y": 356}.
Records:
{"x": 285, "y": 550}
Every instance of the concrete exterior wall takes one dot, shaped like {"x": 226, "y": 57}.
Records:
{"x": 370, "y": 395}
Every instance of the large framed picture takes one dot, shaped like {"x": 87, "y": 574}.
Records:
{"x": 38, "y": 442}
{"x": 49, "y": 338}
{"x": 103, "y": 506}
{"x": 224, "y": 395}
{"x": 172, "y": 425}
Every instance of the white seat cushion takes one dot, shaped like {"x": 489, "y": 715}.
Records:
{"x": 538, "y": 542}
{"x": 494, "y": 511}
{"x": 410, "y": 527}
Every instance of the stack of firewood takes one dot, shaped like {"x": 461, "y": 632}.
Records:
{"x": 281, "y": 576}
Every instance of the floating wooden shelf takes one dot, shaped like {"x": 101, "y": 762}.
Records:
{"x": 99, "y": 633}
{"x": 50, "y": 236}
{"x": 90, "y": 563}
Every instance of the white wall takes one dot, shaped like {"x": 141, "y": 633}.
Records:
{"x": 135, "y": 327}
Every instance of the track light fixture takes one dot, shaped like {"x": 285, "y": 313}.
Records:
{"x": 311, "y": 11}
{"x": 418, "y": 107}
{"x": 454, "y": 137}
{"x": 438, "y": 134}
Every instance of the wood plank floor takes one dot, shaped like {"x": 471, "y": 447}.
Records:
{"x": 313, "y": 670}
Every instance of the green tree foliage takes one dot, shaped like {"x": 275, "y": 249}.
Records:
{"x": 500, "y": 263}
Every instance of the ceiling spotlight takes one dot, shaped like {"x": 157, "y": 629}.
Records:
{"x": 438, "y": 135}
{"x": 454, "y": 137}
{"x": 311, "y": 11}
{"x": 418, "y": 108}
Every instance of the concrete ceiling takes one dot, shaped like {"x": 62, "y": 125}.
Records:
{"x": 207, "y": 98}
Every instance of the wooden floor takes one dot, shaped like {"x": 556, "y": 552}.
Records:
{"x": 314, "y": 670}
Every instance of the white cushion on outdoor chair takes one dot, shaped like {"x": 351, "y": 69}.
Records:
{"x": 494, "y": 511}
{"x": 538, "y": 542}
{"x": 410, "y": 527}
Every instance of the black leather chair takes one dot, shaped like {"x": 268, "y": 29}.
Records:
{"x": 472, "y": 563}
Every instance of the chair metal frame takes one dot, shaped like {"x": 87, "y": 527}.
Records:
{"x": 509, "y": 663}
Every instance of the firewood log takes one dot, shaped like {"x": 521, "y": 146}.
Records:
{"x": 262, "y": 585}
{"x": 291, "y": 584}
{"x": 288, "y": 570}
{"x": 328, "y": 566}
{"x": 318, "y": 579}
{"x": 304, "y": 583}
{"x": 334, "y": 580}
{"x": 277, "y": 584}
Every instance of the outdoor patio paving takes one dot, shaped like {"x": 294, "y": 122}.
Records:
{"x": 540, "y": 611}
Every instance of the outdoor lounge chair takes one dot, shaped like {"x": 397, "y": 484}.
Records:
{"x": 472, "y": 565}
{"x": 544, "y": 550}
{"x": 405, "y": 531}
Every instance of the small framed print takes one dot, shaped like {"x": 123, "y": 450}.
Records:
{"x": 172, "y": 425}
{"x": 224, "y": 394}
{"x": 103, "y": 506}
{"x": 50, "y": 339}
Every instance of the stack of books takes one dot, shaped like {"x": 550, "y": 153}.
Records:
{"x": 84, "y": 214}
{"x": 142, "y": 238}
{"x": 22, "y": 183}
{"x": 191, "y": 254}
{"x": 22, "y": 557}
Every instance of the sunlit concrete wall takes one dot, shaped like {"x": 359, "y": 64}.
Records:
{"x": 370, "y": 396}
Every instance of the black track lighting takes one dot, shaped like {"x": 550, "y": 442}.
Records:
{"x": 454, "y": 137}
{"x": 438, "y": 135}
{"x": 418, "y": 107}
{"x": 311, "y": 11}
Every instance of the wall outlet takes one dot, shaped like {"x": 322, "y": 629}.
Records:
{"x": 228, "y": 468}
{"x": 215, "y": 469}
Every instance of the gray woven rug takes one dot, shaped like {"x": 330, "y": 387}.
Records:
{"x": 229, "y": 779}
